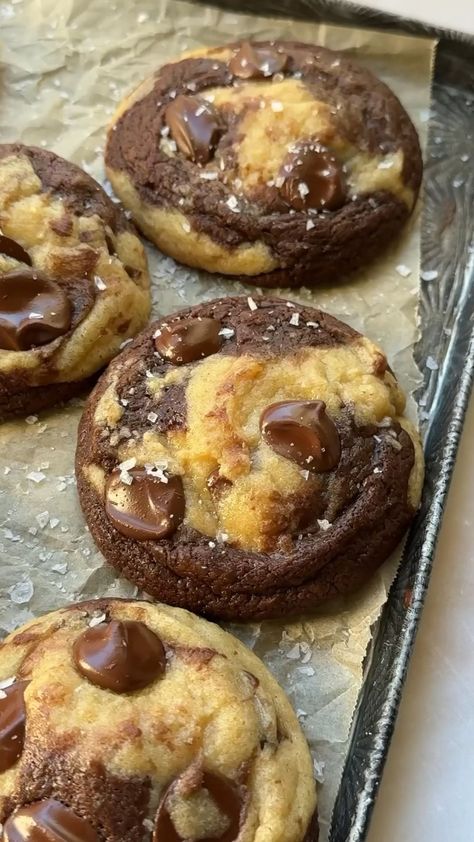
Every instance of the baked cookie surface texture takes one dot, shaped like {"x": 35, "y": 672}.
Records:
{"x": 74, "y": 281}
{"x": 281, "y": 163}
{"x": 125, "y": 721}
{"x": 248, "y": 458}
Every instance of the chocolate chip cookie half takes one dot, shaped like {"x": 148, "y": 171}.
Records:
{"x": 247, "y": 459}
{"x": 284, "y": 164}
{"x": 74, "y": 281}
{"x": 125, "y": 721}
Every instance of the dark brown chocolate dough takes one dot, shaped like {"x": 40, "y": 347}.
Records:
{"x": 254, "y": 62}
{"x": 11, "y": 248}
{"x": 189, "y": 340}
{"x": 195, "y": 127}
{"x": 303, "y": 432}
{"x": 229, "y": 797}
{"x": 122, "y": 656}
{"x": 148, "y": 508}
{"x": 12, "y": 724}
{"x": 47, "y": 821}
{"x": 313, "y": 179}
{"x": 366, "y": 511}
{"x": 34, "y": 310}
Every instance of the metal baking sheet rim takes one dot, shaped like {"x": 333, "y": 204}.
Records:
{"x": 371, "y": 734}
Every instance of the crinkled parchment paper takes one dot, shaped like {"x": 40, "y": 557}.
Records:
{"x": 64, "y": 67}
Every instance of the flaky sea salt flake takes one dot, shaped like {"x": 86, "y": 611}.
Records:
{"x": 429, "y": 275}
{"x": 227, "y": 332}
{"x": 128, "y": 464}
{"x": 295, "y": 319}
{"x": 95, "y": 621}
{"x": 21, "y": 592}
{"x": 36, "y": 476}
{"x": 403, "y": 270}
{"x": 42, "y": 519}
{"x": 251, "y": 303}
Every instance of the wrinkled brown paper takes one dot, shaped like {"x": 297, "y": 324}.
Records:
{"x": 64, "y": 68}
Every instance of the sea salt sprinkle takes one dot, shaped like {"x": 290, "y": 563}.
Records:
{"x": 99, "y": 283}
{"x": 233, "y": 204}
{"x": 251, "y": 303}
{"x": 124, "y": 468}
{"x": 96, "y": 620}
{"x": 227, "y": 332}
{"x": 429, "y": 275}
{"x": 403, "y": 270}
{"x": 295, "y": 319}
{"x": 432, "y": 364}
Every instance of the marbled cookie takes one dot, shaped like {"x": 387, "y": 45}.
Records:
{"x": 74, "y": 281}
{"x": 277, "y": 162}
{"x": 248, "y": 459}
{"x": 131, "y": 722}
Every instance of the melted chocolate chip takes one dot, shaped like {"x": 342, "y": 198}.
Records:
{"x": 122, "y": 656}
{"x": 33, "y": 310}
{"x": 12, "y": 724}
{"x": 147, "y": 509}
{"x": 13, "y": 249}
{"x": 251, "y": 62}
{"x": 313, "y": 178}
{"x": 189, "y": 340}
{"x": 195, "y": 127}
{"x": 303, "y": 432}
{"x": 47, "y": 821}
{"x": 226, "y": 794}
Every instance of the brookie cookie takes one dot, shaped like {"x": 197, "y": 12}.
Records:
{"x": 132, "y": 722}
{"x": 74, "y": 281}
{"x": 277, "y": 162}
{"x": 248, "y": 459}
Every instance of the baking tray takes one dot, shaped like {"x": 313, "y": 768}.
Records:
{"x": 445, "y": 355}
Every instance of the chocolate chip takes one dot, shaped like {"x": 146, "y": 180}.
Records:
{"x": 228, "y": 796}
{"x": 122, "y": 656}
{"x": 13, "y": 249}
{"x": 195, "y": 127}
{"x": 148, "y": 508}
{"x": 189, "y": 340}
{"x": 251, "y": 62}
{"x": 313, "y": 178}
{"x": 47, "y": 821}
{"x": 303, "y": 432}
{"x": 33, "y": 310}
{"x": 12, "y": 724}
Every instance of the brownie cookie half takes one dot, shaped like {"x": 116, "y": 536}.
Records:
{"x": 248, "y": 459}
{"x": 279, "y": 163}
{"x": 124, "y": 721}
{"x": 74, "y": 281}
